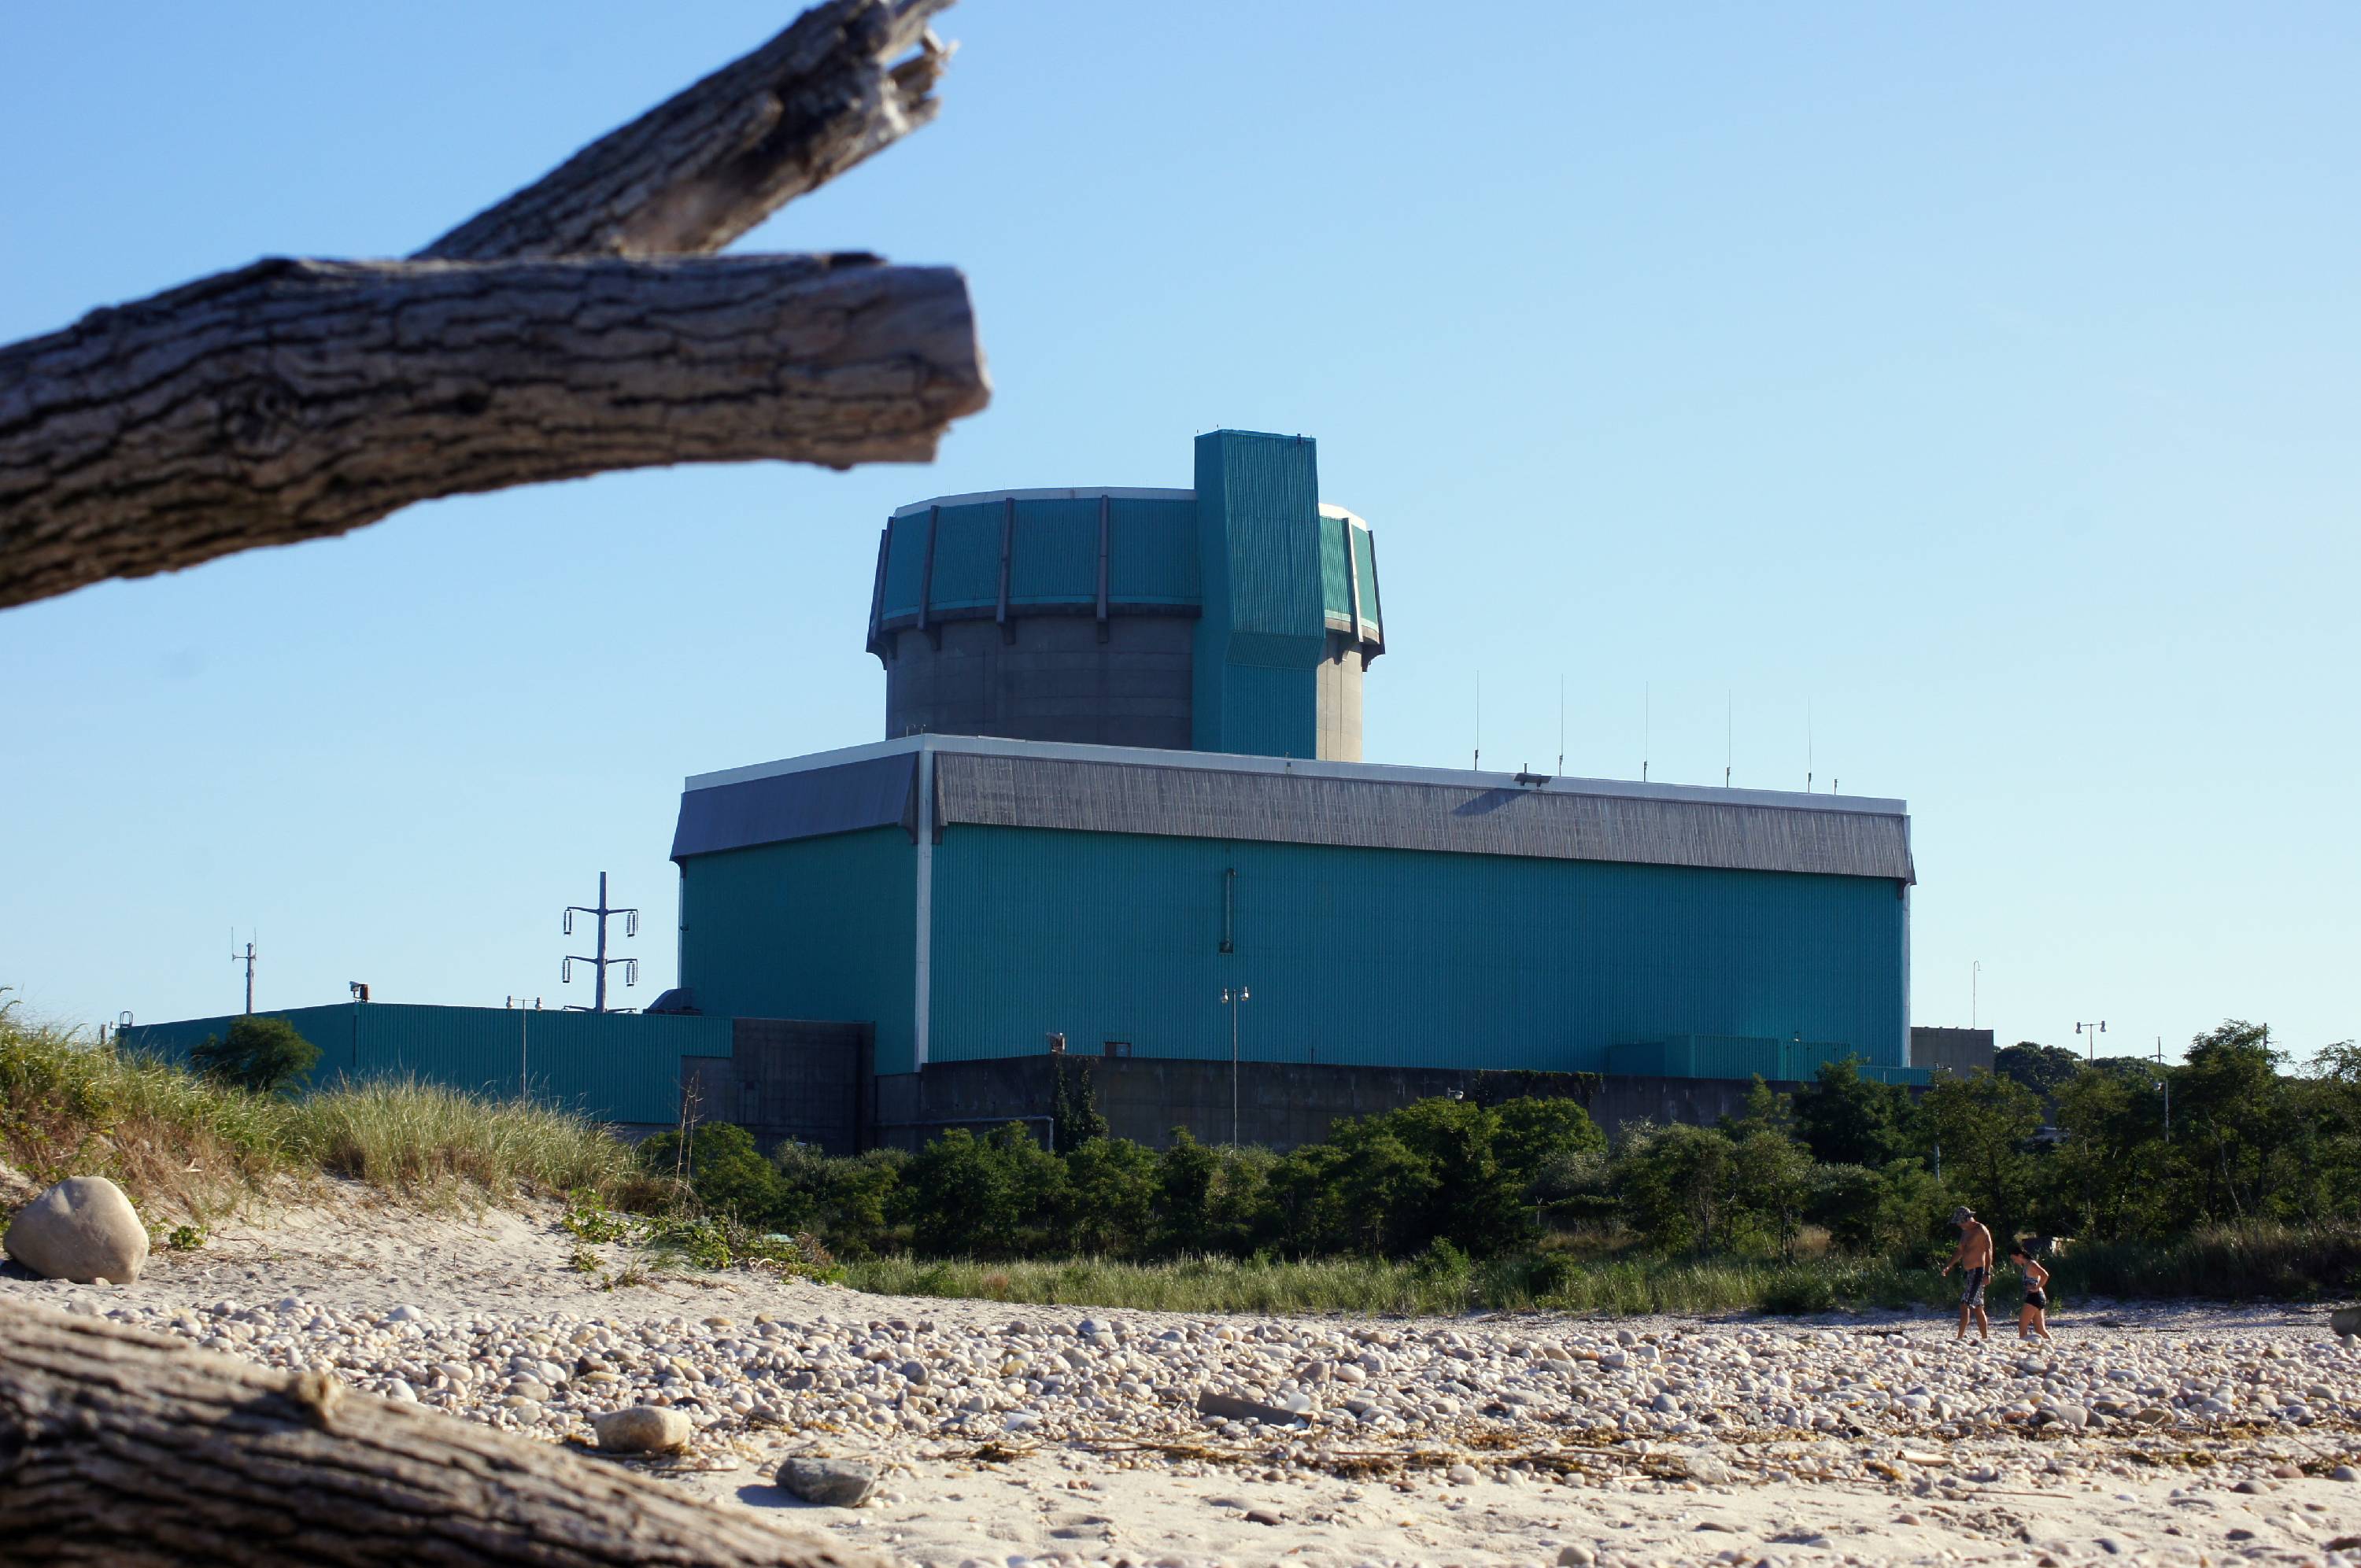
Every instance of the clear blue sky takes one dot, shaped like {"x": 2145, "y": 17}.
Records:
{"x": 1984, "y": 381}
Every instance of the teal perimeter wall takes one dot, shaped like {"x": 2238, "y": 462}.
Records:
{"x": 617, "y": 1067}
{"x": 816, "y": 929}
{"x": 1396, "y": 958}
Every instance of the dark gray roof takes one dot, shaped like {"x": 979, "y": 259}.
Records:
{"x": 874, "y": 792}
{"x": 1391, "y": 814}
{"x": 1009, "y": 784}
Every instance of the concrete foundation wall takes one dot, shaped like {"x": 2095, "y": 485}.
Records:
{"x": 1962, "y": 1051}
{"x": 788, "y": 1078}
{"x": 1279, "y": 1104}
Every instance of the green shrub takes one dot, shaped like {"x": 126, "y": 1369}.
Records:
{"x": 265, "y": 1055}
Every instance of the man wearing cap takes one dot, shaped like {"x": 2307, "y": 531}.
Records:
{"x": 1975, "y": 1260}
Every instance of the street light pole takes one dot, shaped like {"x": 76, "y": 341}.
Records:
{"x": 1231, "y": 999}
{"x": 2090, "y": 1033}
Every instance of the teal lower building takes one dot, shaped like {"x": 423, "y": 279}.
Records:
{"x": 975, "y": 898}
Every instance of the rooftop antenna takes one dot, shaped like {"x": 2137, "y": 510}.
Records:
{"x": 1561, "y": 726}
{"x": 604, "y": 912}
{"x": 1647, "y": 721}
{"x": 246, "y": 958}
{"x": 1808, "y": 745}
{"x": 1728, "y": 734}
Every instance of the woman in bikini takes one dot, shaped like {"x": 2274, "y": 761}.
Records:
{"x": 2033, "y": 1317}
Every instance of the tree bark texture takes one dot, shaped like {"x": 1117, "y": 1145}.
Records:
{"x": 846, "y": 79}
{"x": 122, "y": 1447}
{"x": 292, "y": 399}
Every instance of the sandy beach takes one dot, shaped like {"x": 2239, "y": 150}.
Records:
{"x": 1013, "y": 1434}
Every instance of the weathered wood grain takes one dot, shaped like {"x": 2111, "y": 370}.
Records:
{"x": 843, "y": 80}
{"x": 122, "y": 1447}
{"x": 293, "y": 399}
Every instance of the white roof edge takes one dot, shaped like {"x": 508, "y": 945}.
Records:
{"x": 1081, "y": 493}
{"x": 1329, "y": 509}
{"x": 1220, "y": 761}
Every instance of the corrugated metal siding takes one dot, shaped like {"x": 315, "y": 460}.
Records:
{"x": 906, "y": 566}
{"x": 1056, "y": 557}
{"x": 1152, "y": 553}
{"x": 1044, "y": 792}
{"x": 1259, "y": 537}
{"x": 967, "y": 559}
{"x": 1393, "y": 958}
{"x": 616, "y": 1067}
{"x": 1336, "y": 587}
{"x": 1364, "y": 553}
{"x": 820, "y": 928}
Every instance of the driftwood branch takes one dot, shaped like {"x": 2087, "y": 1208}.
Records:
{"x": 293, "y": 399}
{"x": 122, "y": 1447}
{"x": 692, "y": 174}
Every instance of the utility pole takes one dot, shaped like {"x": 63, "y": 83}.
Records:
{"x": 1232, "y": 999}
{"x": 604, "y": 912}
{"x": 246, "y": 958}
{"x": 2090, "y": 1033}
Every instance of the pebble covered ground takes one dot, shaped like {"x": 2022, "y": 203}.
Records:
{"x": 1015, "y": 1435}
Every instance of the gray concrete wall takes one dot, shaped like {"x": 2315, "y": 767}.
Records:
{"x": 1962, "y": 1050}
{"x": 1055, "y": 681}
{"x": 1341, "y": 674}
{"x": 788, "y": 1078}
{"x": 1279, "y": 1104}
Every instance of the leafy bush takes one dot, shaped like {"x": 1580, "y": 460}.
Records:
{"x": 265, "y": 1055}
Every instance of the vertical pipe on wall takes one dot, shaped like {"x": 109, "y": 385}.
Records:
{"x": 924, "y": 957}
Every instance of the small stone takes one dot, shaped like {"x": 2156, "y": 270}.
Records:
{"x": 915, "y": 1371}
{"x": 642, "y": 1428}
{"x": 528, "y": 1388}
{"x": 2345, "y": 1473}
{"x": 2251, "y": 1488}
{"x": 2288, "y": 1472}
{"x": 1461, "y": 1475}
{"x": 82, "y": 1229}
{"x": 1264, "y": 1516}
{"x": 720, "y": 1323}
{"x": 1575, "y": 1556}
{"x": 1721, "y": 1526}
{"x": 2241, "y": 1533}
{"x": 829, "y": 1483}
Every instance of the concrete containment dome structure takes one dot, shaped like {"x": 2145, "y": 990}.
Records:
{"x": 1239, "y": 616}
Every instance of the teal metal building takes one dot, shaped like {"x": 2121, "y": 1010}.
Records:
{"x": 1122, "y": 780}
{"x": 1018, "y": 885}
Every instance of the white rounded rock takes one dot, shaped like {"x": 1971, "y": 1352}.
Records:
{"x": 82, "y": 1229}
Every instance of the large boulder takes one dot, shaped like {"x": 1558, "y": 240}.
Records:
{"x": 642, "y": 1428}
{"x": 82, "y": 1229}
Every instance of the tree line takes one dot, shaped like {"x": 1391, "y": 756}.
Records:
{"x": 2043, "y": 1145}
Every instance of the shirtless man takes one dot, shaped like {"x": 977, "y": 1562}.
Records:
{"x": 1975, "y": 1260}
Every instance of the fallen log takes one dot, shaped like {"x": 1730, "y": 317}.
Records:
{"x": 293, "y": 399}
{"x": 539, "y": 340}
{"x": 122, "y": 1447}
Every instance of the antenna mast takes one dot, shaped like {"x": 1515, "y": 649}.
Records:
{"x": 1728, "y": 734}
{"x": 1647, "y": 722}
{"x": 1560, "y": 725}
{"x": 604, "y": 912}
{"x": 247, "y": 958}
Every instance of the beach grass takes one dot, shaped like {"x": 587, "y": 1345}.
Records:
{"x": 180, "y": 1144}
